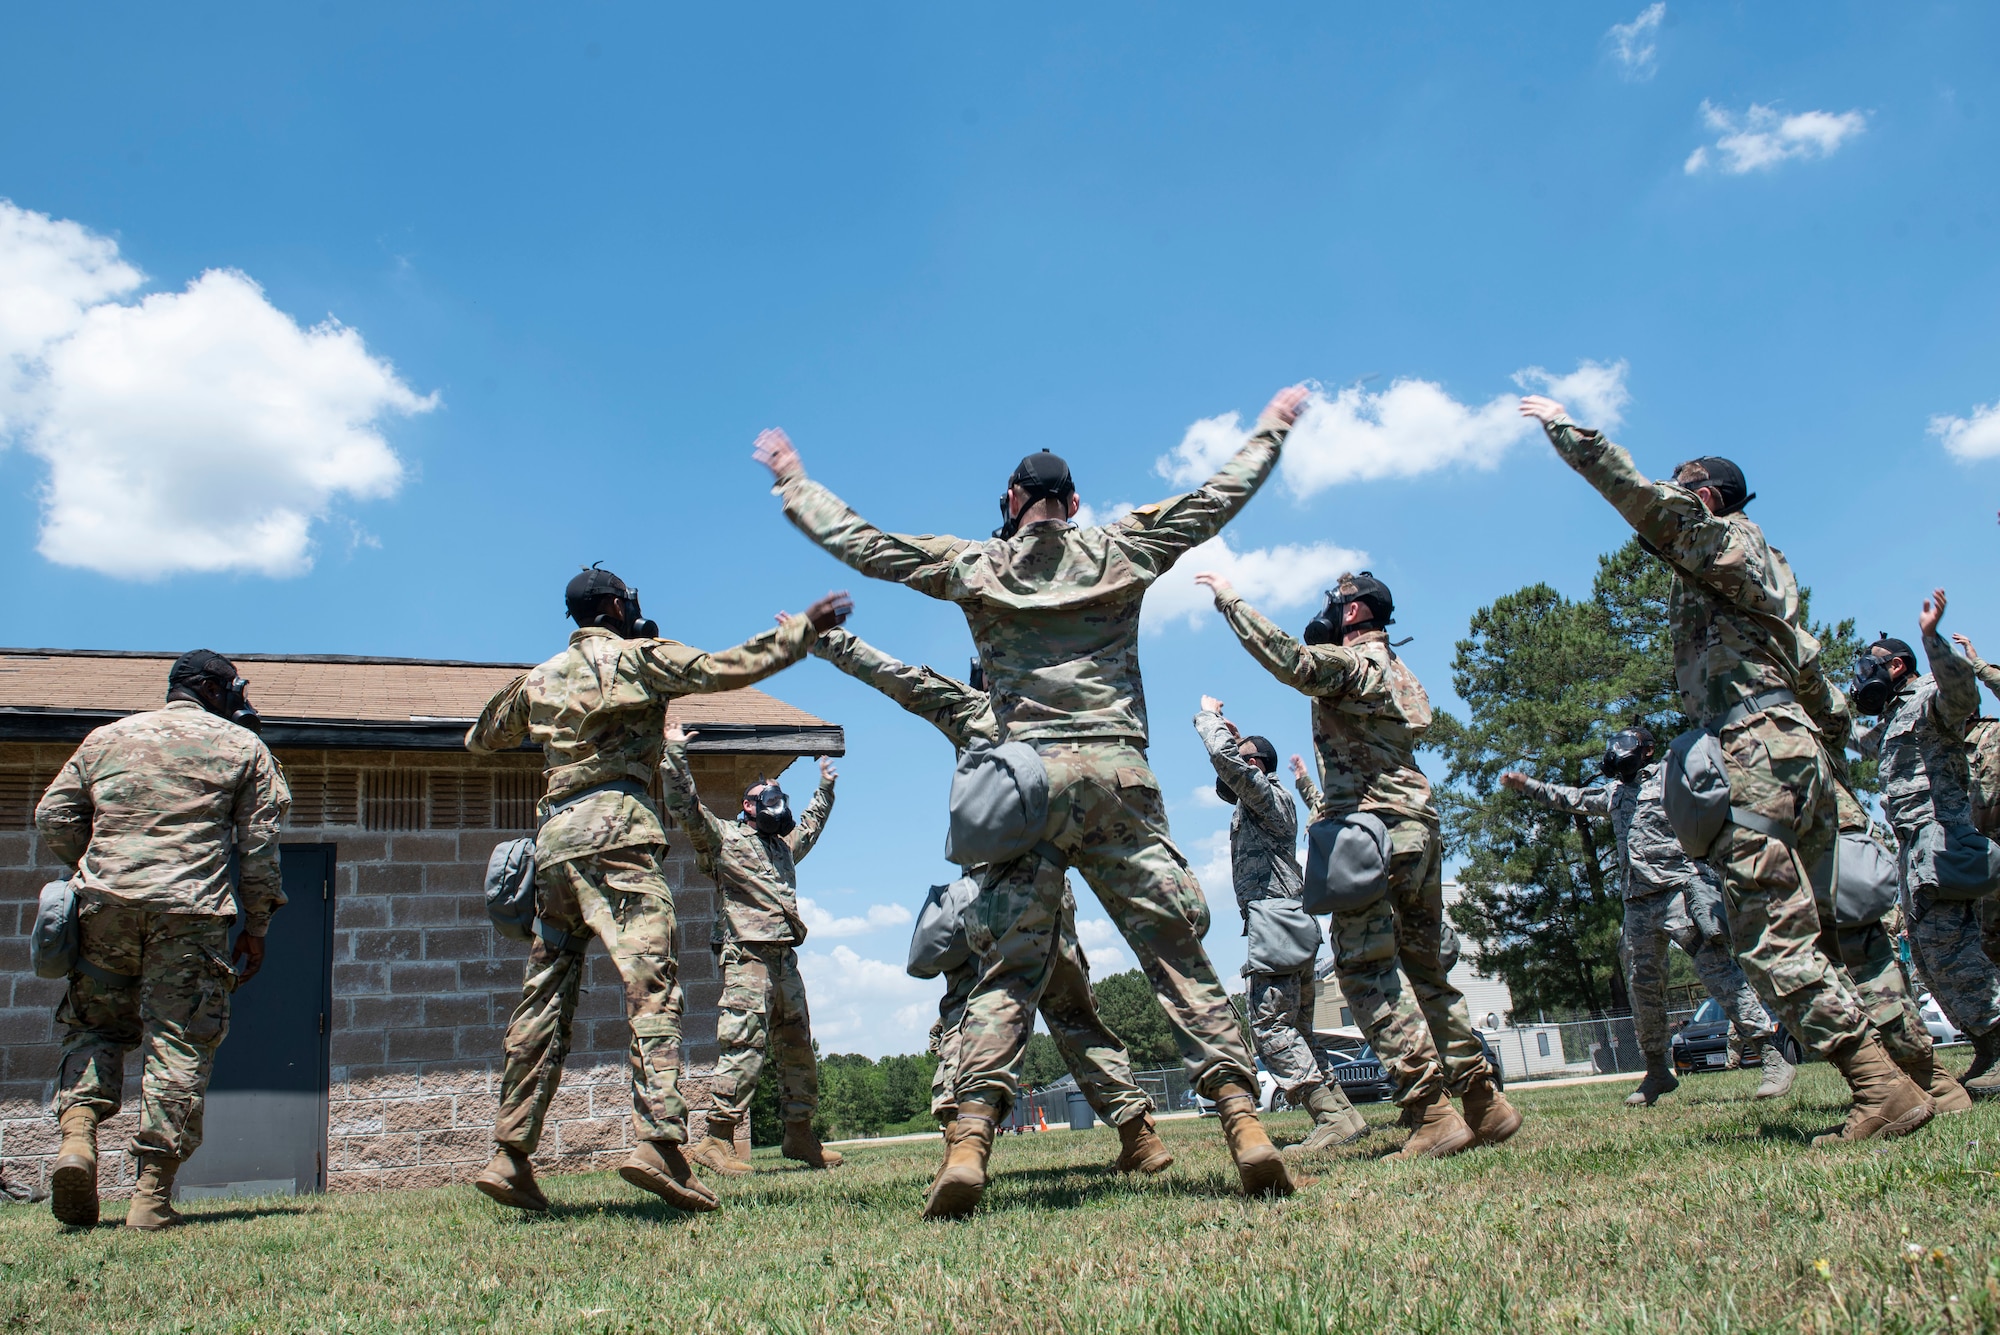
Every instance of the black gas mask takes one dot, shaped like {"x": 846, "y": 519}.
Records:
{"x": 1259, "y": 752}
{"x": 1626, "y": 754}
{"x": 1329, "y": 627}
{"x": 771, "y": 811}
{"x": 211, "y": 681}
{"x": 1874, "y": 683}
{"x": 596, "y": 597}
{"x": 976, "y": 678}
{"x": 1041, "y": 475}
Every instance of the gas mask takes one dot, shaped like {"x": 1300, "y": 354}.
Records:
{"x": 1041, "y": 475}
{"x": 1874, "y": 684}
{"x": 236, "y": 706}
{"x": 1330, "y": 627}
{"x": 211, "y": 681}
{"x": 624, "y": 620}
{"x": 637, "y": 626}
{"x": 1258, "y": 752}
{"x": 976, "y": 678}
{"x": 1625, "y": 754}
{"x": 771, "y": 811}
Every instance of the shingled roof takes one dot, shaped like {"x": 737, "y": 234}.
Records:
{"x": 332, "y": 700}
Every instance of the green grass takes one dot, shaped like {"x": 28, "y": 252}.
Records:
{"x": 1706, "y": 1213}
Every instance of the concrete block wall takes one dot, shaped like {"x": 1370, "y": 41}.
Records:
{"x": 422, "y": 991}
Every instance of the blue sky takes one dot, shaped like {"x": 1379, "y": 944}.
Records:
{"x": 581, "y": 258}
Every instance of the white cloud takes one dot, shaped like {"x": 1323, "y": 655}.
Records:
{"x": 867, "y": 1006}
{"x": 1635, "y": 45}
{"x": 1969, "y": 438}
{"x": 1205, "y": 796}
{"x": 1211, "y": 866}
{"x": 1763, "y": 137}
{"x": 200, "y": 430}
{"x": 1411, "y": 428}
{"x": 1102, "y": 946}
{"x": 821, "y": 923}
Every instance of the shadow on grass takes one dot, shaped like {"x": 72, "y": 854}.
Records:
{"x": 649, "y": 1209}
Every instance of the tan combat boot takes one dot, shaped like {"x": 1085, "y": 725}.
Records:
{"x": 153, "y": 1199}
{"x": 1141, "y": 1150}
{"x": 1985, "y": 1052}
{"x": 1778, "y": 1073}
{"x": 1436, "y": 1130}
{"x": 1334, "y": 1121}
{"x": 510, "y": 1180}
{"x": 1259, "y": 1166}
{"x": 716, "y": 1150}
{"x": 659, "y": 1166}
{"x": 1488, "y": 1113}
{"x": 1929, "y": 1075}
{"x": 961, "y": 1181}
{"x": 1660, "y": 1079}
{"x": 1886, "y": 1102}
{"x": 802, "y": 1144}
{"x": 73, "y": 1185}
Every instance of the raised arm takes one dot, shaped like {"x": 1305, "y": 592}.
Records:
{"x": 262, "y": 799}
{"x": 1985, "y": 672}
{"x": 677, "y": 669}
{"x": 1957, "y": 699}
{"x": 1302, "y": 780}
{"x": 703, "y": 829}
{"x": 1315, "y": 669}
{"x": 962, "y": 714}
{"x": 1592, "y": 801}
{"x": 812, "y": 821}
{"x": 1156, "y": 535}
{"x": 63, "y": 816}
{"x": 1255, "y": 792}
{"x": 503, "y": 724}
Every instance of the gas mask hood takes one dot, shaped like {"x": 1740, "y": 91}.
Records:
{"x": 1626, "y": 753}
{"x": 583, "y": 601}
{"x": 1041, "y": 475}
{"x": 211, "y": 681}
{"x": 1330, "y": 626}
{"x": 771, "y": 811}
{"x": 1874, "y": 683}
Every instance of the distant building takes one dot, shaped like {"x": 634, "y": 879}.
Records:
{"x": 367, "y": 1053}
{"x": 1487, "y": 999}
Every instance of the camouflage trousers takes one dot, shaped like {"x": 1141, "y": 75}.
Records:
{"x": 1093, "y": 1054}
{"x": 621, "y": 897}
{"x": 1867, "y": 959}
{"x": 1949, "y": 952}
{"x": 764, "y": 1015}
{"x": 1420, "y": 1031}
{"x": 1281, "y": 1017}
{"x": 1778, "y": 771}
{"x": 178, "y": 1012}
{"x": 1699, "y": 929}
{"x": 1107, "y": 818}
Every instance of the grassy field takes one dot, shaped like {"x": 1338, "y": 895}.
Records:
{"x": 1707, "y": 1213}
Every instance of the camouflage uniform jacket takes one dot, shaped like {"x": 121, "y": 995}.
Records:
{"x": 1920, "y": 741}
{"x": 1734, "y": 609}
{"x": 1054, "y": 610}
{"x": 147, "y": 808}
{"x": 1650, "y": 858}
{"x": 1263, "y": 826}
{"x": 599, "y": 712}
{"x": 1368, "y": 713}
{"x": 962, "y": 714}
{"x": 756, "y": 873}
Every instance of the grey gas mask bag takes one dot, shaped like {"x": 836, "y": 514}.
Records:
{"x": 1695, "y": 792}
{"x": 1347, "y": 863}
{"x": 999, "y": 805}
{"x": 55, "y": 942}
{"x": 1859, "y": 878}
{"x": 938, "y": 944}
{"x": 1284, "y": 938}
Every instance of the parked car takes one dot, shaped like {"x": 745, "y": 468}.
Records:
{"x": 1347, "y": 1056}
{"x": 1942, "y": 1030}
{"x": 1268, "y": 1094}
{"x": 1702, "y": 1044}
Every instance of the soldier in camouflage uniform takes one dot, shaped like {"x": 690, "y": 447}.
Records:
{"x": 1368, "y": 713}
{"x": 1921, "y": 741}
{"x": 1982, "y": 744}
{"x": 754, "y": 862}
{"x": 1667, "y": 897}
{"x": 1748, "y": 669}
{"x": 1054, "y": 612}
{"x": 599, "y": 712}
{"x": 1094, "y": 1055}
{"x": 1264, "y": 866}
{"x": 147, "y": 812}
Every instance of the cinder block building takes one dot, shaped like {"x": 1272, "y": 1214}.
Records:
{"x": 367, "y": 1053}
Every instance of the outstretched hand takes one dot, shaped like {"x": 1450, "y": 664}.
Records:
{"x": 774, "y": 450}
{"x": 830, "y": 611}
{"x": 680, "y": 735}
{"x": 1210, "y": 705}
{"x": 1542, "y": 408}
{"x": 1927, "y": 620}
{"x": 827, "y": 773}
{"x": 1298, "y": 768}
{"x": 250, "y": 950}
{"x": 1286, "y": 404}
{"x": 1514, "y": 779}
{"x": 1965, "y": 646}
{"x": 1215, "y": 584}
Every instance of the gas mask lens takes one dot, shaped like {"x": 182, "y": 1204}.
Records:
{"x": 772, "y": 811}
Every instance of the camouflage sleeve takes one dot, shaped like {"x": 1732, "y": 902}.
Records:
{"x": 1957, "y": 697}
{"x": 1255, "y": 793}
{"x": 952, "y": 707}
{"x": 63, "y": 815}
{"x": 503, "y": 724}
{"x": 1154, "y": 536}
{"x": 1985, "y": 672}
{"x": 677, "y": 669}
{"x": 812, "y": 821}
{"x": 262, "y": 799}
{"x": 684, "y": 805}
{"x": 927, "y": 564}
{"x": 1316, "y": 669}
{"x": 1592, "y": 801}
{"x": 1669, "y": 518}
{"x": 1868, "y": 740}
{"x": 1308, "y": 793}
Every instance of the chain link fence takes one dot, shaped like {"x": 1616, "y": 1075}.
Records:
{"x": 1049, "y": 1107}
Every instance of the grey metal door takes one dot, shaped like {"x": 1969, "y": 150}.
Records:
{"x": 265, "y": 1126}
